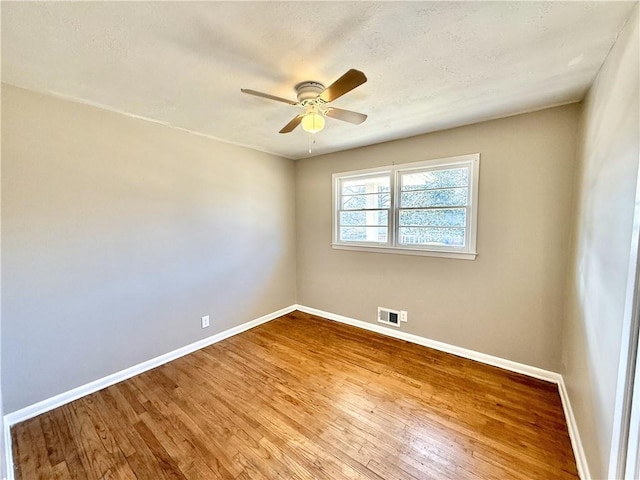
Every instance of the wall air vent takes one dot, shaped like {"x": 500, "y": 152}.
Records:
{"x": 388, "y": 316}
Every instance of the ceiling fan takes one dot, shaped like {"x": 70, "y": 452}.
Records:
{"x": 314, "y": 98}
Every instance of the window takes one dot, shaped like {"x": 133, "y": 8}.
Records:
{"x": 425, "y": 208}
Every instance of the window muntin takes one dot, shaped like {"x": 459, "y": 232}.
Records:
{"x": 420, "y": 208}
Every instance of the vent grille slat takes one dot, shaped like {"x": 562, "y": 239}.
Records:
{"x": 388, "y": 316}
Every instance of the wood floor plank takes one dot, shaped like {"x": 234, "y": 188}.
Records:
{"x": 60, "y": 472}
{"x": 303, "y": 398}
{"x": 168, "y": 466}
{"x": 30, "y": 451}
{"x": 55, "y": 450}
{"x": 74, "y": 465}
{"x": 93, "y": 456}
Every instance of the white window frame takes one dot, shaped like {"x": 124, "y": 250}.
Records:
{"x": 466, "y": 252}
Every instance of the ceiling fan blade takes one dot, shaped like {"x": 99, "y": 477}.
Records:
{"x": 344, "y": 84}
{"x": 266, "y": 95}
{"x": 290, "y": 127}
{"x": 346, "y": 115}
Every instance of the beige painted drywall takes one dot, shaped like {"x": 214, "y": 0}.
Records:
{"x": 608, "y": 161}
{"x": 508, "y": 302}
{"x": 119, "y": 234}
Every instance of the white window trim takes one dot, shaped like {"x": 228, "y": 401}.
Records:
{"x": 466, "y": 253}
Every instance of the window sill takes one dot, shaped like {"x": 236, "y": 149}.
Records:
{"x": 407, "y": 251}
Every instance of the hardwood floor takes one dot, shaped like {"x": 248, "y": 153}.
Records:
{"x": 306, "y": 398}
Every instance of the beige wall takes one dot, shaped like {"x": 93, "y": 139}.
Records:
{"x": 608, "y": 162}
{"x": 508, "y": 302}
{"x": 119, "y": 234}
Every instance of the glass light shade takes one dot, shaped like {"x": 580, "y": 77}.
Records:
{"x": 312, "y": 122}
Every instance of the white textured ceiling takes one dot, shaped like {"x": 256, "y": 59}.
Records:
{"x": 430, "y": 65}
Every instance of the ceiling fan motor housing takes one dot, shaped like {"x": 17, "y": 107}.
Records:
{"x": 308, "y": 91}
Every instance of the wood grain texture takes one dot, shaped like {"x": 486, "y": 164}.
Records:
{"x": 303, "y": 397}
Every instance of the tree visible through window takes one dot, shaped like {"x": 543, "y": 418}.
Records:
{"x": 425, "y": 207}
{"x": 432, "y": 207}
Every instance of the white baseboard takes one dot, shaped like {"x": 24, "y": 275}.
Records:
{"x": 574, "y": 435}
{"x": 83, "y": 390}
{"x": 535, "y": 372}
{"x": 92, "y": 387}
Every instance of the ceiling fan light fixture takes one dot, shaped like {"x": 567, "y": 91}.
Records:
{"x": 312, "y": 122}
{"x": 314, "y": 97}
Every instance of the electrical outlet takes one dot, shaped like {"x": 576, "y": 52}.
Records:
{"x": 403, "y": 316}
{"x": 205, "y": 321}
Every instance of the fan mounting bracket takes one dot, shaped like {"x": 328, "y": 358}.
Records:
{"x": 308, "y": 92}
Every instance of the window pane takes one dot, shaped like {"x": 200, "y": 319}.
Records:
{"x": 357, "y": 186}
{"x": 363, "y": 234}
{"x": 374, "y": 217}
{"x": 432, "y": 236}
{"x": 446, "y": 217}
{"x": 357, "y": 202}
{"x": 451, "y": 197}
{"x": 454, "y": 177}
